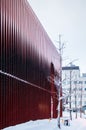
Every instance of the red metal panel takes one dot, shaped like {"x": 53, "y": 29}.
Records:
{"x": 26, "y": 52}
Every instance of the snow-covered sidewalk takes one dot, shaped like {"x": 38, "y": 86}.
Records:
{"x": 46, "y": 124}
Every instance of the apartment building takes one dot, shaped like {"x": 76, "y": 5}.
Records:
{"x": 74, "y": 85}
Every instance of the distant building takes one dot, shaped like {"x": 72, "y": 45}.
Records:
{"x": 71, "y": 77}
{"x": 82, "y": 82}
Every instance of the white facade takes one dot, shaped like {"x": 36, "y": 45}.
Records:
{"x": 71, "y": 79}
{"x": 82, "y": 81}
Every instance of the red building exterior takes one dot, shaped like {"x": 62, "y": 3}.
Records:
{"x": 27, "y": 58}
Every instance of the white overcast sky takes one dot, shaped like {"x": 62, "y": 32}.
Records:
{"x": 68, "y": 18}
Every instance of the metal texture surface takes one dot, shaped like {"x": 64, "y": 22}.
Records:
{"x": 26, "y": 52}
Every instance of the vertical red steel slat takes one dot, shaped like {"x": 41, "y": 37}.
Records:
{"x": 24, "y": 46}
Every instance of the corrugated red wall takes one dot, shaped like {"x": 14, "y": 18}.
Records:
{"x": 26, "y": 54}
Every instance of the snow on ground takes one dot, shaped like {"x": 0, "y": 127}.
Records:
{"x": 47, "y": 124}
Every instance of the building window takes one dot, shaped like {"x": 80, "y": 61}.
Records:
{"x": 80, "y": 82}
{"x": 75, "y": 82}
{"x": 84, "y": 95}
{"x": 80, "y": 89}
{"x": 79, "y": 95}
{"x": 85, "y": 89}
{"x": 78, "y": 102}
{"x": 85, "y": 82}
